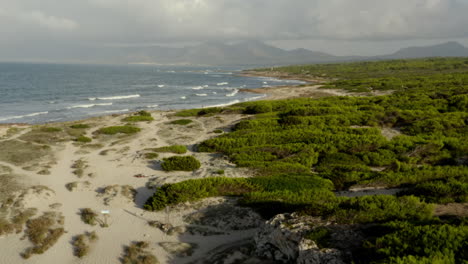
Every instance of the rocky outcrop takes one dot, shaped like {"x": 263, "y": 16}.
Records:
{"x": 285, "y": 239}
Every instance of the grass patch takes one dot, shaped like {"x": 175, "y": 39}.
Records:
{"x": 80, "y": 126}
{"x": 118, "y": 130}
{"x": 81, "y": 243}
{"x": 176, "y": 149}
{"x": 83, "y": 139}
{"x": 137, "y": 253}
{"x": 181, "y": 122}
{"x": 151, "y": 155}
{"x": 20, "y": 153}
{"x": 43, "y": 232}
{"x": 51, "y": 129}
{"x": 320, "y": 236}
{"x": 79, "y": 166}
{"x": 141, "y": 116}
{"x": 177, "y": 163}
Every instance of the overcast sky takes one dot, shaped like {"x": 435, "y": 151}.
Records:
{"x": 29, "y": 28}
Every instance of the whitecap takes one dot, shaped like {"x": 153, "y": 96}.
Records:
{"x": 198, "y": 88}
{"x": 88, "y": 105}
{"x": 120, "y": 97}
{"x": 201, "y": 94}
{"x": 152, "y": 106}
{"x": 222, "y": 83}
{"x": 234, "y": 92}
{"x": 161, "y": 85}
{"x": 183, "y": 97}
{"x": 92, "y": 98}
{"x": 222, "y": 105}
{"x": 255, "y": 98}
{"x": 116, "y": 111}
{"x": 23, "y": 116}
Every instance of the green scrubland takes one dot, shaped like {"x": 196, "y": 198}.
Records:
{"x": 302, "y": 150}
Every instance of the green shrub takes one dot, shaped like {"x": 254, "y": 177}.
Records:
{"x": 151, "y": 155}
{"x": 259, "y": 108}
{"x": 51, "y": 129}
{"x": 177, "y": 149}
{"x": 181, "y": 122}
{"x": 118, "y": 129}
{"x": 83, "y": 139}
{"x": 177, "y": 163}
{"x": 320, "y": 236}
{"x": 80, "y": 126}
{"x": 193, "y": 190}
{"x": 137, "y": 118}
{"x": 218, "y": 131}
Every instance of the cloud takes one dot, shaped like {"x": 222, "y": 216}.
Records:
{"x": 99, "y": 22}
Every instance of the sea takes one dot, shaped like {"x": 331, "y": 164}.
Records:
{"x": 43, "y": 93}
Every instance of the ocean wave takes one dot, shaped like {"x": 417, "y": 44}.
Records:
{"x": 88, "y": 105}
{"x": 206, "y": 86}
{"x": 183, "y": 97}
{"x": 116, "y": 111}
{"x": 152, "y": 106}
{"x": 201, "y": 94}
{"x": 222, "y": 105}
{"x": 222, "y": 83}
{"x": 198, "y": 88}
{"x": 119, "y": 97}
{"x": 234, "y": 92}
{"x": 23, "y": 116}
{"x": 161, "y": 85}
{"x": 255, "y": 98}
{"x": 215, "y": 93}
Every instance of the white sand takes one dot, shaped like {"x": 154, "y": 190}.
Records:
{"x": 128, "y": 221}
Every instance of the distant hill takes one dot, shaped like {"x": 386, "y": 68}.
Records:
{"x": 448, "y": 49}
{"x": 253, "y": 53}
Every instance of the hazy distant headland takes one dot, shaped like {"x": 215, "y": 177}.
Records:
{"x": 244, "y": 53}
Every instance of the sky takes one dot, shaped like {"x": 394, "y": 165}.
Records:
{"x": 40, "y": 28}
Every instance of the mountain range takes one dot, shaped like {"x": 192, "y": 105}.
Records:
{"x": 258, "y": 53}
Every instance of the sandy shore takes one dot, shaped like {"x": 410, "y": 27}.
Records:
{"x": 108, "y": 163}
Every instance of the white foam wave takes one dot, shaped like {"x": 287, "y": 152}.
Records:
{"x": 265, "y": 82}
{"x": 88, "y": 105}
{"x": 23, "y": 116}
{"x": 183, "y": 97}
{"x": 116, "y": 111}
{"x": 120, "y": 97}
{"x": 215, "y": 93}
{"x": 255, "y": 98}
{"x": 234, "y": 92}
{"x": 92, "y": 99}
{"x": 152, "y": 106}
{"x": 222, "y": 83}
{"x": 198, "y": 88}
{"x": 161, "y": 85}
{"x": 206, "y": 86}
{"x": 201, "y": 94}
{"x": 222, "y": 105}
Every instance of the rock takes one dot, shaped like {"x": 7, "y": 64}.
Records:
{"x": 225, "y": 217}
{"x": 282, "y": 239}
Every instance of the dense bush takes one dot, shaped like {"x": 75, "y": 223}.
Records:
{"x": 177, "y": 163}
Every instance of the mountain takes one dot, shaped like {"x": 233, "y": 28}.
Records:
{"x": 218, "y": 53}
{"x": 254, "y": 53}
{"x": 448, "y": 49}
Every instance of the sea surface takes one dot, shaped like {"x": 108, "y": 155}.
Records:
{"x": 41, "y": 93}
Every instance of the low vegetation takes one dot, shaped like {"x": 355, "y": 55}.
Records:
{"x": 180, "y": 163}
{"x": 118, "y": 130}
{"x": 141, "y": 116}
{"x": 80, "y": 126}
{"x": 43, "y": 232}
{"x": 176, "y": 149}
{"x": 181, "y": 122}
{"x": 20, "y": 153}
{"x": 292, "y": 145}
{"x": 137, "y": 253}
{"x": 83, "y": 139}
{"x": 82, "y": 243}
{"x": 89, "y": 216}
